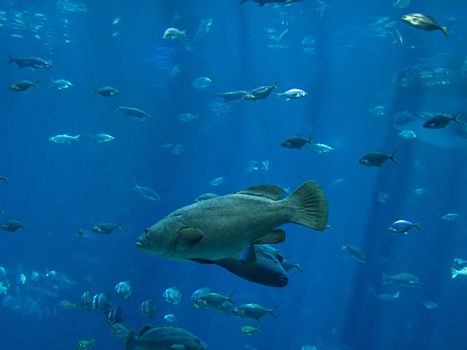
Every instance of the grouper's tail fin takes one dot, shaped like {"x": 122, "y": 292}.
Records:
{"x": 130, "y": 342}
{"x": 311, "y": 206}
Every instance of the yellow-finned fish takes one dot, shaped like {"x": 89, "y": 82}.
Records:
{"x": 425, "y": 22}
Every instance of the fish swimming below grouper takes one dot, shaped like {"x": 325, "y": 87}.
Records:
{"x": 163, "y": 338}
{"x": 260, "y": 264}
{"x": 223, "y": 226}
{"x": 453, "y": 136}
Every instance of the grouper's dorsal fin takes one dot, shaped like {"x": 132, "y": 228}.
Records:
{"x": 144, "y": 330}
{"x": 268, "y": 191}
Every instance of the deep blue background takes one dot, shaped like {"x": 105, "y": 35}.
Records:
{"x": 57, "y": 189}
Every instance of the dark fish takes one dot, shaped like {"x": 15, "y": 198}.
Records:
{"x": 148, "y": 308}
{"x": 296, "y": 142}
{"x": 264, "y": 2}
{"x": 355, "y": 252}
{"x": 135, "y": 113}
{"x": 441, "y": 121}
{"x": 106, "y": 228}
{"x": 107, "y": 91}
{"x": 260, "y": 264}
{"x": 403, "y": 279}
{"x": 101, "y": 302}
{"x": 114, "y": 315}
{"x": 233, "y": 95}
{"x": 376, "y": 159}
{"x": 13, "y": 225}
{"x": 24, "y": 85}
{"x": 254, "y": 311}
{"x": 162, "y": 338}
{"x": 86, "y": 300}
{"x": 425, "y": 22}
{"x": 4, "y": 179}
{"x": 261, "y": 92}
{"x": 31, "y": 62}
{"x": 223, "y": 226}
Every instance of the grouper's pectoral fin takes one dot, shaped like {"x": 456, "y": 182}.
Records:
{"x": 275, "y": 236}
{"x": 189, "y": 236}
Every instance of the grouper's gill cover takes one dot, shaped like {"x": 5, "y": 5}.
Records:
{"x": 220, "y": 227}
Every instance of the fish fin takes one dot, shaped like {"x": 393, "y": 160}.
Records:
{"x": 275, "y": 236}
{"x": 298, "y": 267}
{"x": 248, "y": 255}
{"x": 202, "y": 261}
{"x": 454, "y": 273}
{"x": 456, "y": 119}
{"x": 395, "y": 296}
{"x": 130, "y": 342}
{"x": 230, "y": 297}
{"x": 189, "y": 236}
{"x": 120, "y": 228}
{"x": 417, "y": 226}
{"x": 36, "y": 84}
{"x": 178, "y": 347}
{"x": 385, "y": 278}
{"x": 272, "y": 312}
{"x": 144, "y": 330}
{"x": 391, "y": 156}
{"x": 268, "y": 191}
{"x": 311, "y": 206}
{"x": 444, "y": 30}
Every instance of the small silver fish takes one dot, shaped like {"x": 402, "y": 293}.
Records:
{"x": 61, "y": 84}
{"x": 64, "y": 138}
{"x": 425, "y": 22}
{"x": 101, "y": 138}
{"x": 450, "y": 217}
{"x": 124, "y": 289}
{"x": 147, "y": 192}
{"x": 172, "y": 296}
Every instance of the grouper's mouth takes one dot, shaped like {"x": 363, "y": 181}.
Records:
{"x": 143, "y": 242}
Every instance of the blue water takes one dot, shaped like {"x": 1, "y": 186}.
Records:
{"x": 335, "y": 52}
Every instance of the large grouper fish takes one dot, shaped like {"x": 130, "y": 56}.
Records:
{"x": 223, "y": 226}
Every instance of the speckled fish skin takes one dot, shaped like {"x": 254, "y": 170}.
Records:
{"x": 163, "y": 338}
{"x": 223, "y": 226}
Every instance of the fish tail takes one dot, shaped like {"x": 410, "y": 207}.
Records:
{"x": 454, "y": 273}
{"x": 392, "y": 156}
{"x": 418, "y": 226}
{"x": 456, "y": 118}
{"x": 311, "y": 206}
{"x": 230, "y": 297}
{"x": 120, "y": 228}
{"x": 444, "y": 30}
{"x": 298, "y": 267}
{"x": 385, "y": 278}
{"x": 395, "y": 296}
{"x": 272, "y": 312}
{"x": 36, "y": 84}
{"x": 10, "y": 59}
{"x": 276, "y": 81}
{"x": 130, "y": 342}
